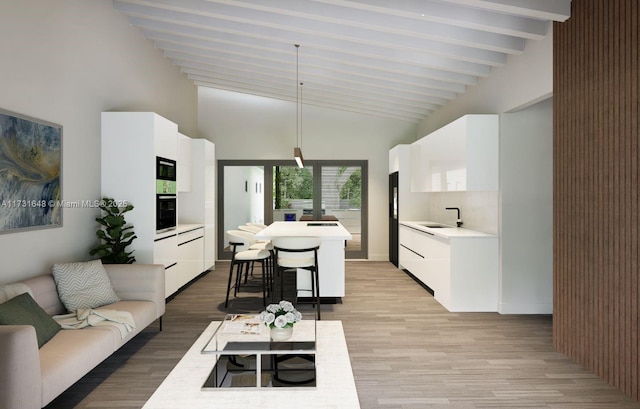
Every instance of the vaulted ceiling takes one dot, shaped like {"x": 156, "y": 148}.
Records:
{"x": 398, "y": 59}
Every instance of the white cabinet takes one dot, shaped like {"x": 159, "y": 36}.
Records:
{"x": 184, "y": 163}
{"x": 425, "y": 256}
{"x": 461, "y": 270}
{"x": 411, "y": 205}
{"x": 130, "y": 142}
{"x": 165, "y": 250}
{"x": 461, "y": 156}
{"x": 198, "y": 205}
{"x": 190, "y": 254}
{"x": 472, "y": 284}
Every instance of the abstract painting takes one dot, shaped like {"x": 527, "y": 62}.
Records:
{"x": 30, "y": 173}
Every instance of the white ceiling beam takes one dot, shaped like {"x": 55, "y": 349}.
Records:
{"x": 285, "y": 92}
{"x": 167, "y": 41}
{"x": 371, "y": 51}
{"x": 381, "y": 89}
{"x": 385, "y": 13}
{"x": 347, "y": 108}
{"x": 409, "y": 72}
{"x": 311, "y": 98}
{"x": 266, "y": 90}
{"x": 339, "y": 68}
{"x": 438, "y": 39}
{"x": 360, "y": 93}
{"x": 321, "y": 17}
{"x": 555, "y": 10}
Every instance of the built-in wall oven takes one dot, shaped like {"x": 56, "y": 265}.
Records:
{"x": 166, "y": 194}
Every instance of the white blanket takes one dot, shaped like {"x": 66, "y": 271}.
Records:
{"x": 123, "y": 320}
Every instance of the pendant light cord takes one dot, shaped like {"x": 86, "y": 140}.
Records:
{"x": 297, "y": 96}
{"x": 301, "y": 115}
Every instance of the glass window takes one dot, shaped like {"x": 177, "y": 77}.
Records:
{"x": 322, "y": 190}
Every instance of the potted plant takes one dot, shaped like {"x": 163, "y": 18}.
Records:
{"x": 114, "y": 234}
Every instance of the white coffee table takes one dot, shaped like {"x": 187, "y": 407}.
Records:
{"x": 335, "y": 386}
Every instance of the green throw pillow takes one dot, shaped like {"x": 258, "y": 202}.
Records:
{"x": 24, "y": 310}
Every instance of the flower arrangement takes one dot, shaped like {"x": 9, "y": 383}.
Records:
{"x": 281, "y": 315}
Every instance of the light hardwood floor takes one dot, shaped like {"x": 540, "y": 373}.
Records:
{"x": 406, "y": 351}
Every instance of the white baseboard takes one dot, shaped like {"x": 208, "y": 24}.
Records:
{"x": 529, "y": 308}
{"x": 378, "y": 257}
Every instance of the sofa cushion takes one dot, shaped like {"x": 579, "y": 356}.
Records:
{"x": 83, "y": 285}
{"x": 143, "y": 313}
{"x": 23, "y": 310}
{"x": 69, "y": 356}
{"x": 8, "y": 291}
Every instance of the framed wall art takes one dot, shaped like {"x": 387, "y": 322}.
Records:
{"x": 30, "y": 173}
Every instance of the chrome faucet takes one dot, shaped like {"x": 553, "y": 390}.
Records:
{"x": 459, "y": 220}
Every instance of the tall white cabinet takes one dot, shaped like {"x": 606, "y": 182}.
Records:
{"x": 412, "y": 205}
{"x": 131, "y": 141}
{"x": 197, "y": 205}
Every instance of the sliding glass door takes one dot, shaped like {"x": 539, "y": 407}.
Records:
{"x": 342, "y": 200}
{"x": 322, "y": 190}
{"x": 292, "y": 193}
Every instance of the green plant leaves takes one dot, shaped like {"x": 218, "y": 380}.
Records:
{"x": 115, "y": 236}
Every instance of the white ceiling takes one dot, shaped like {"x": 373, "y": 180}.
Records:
{"x": 399, "y": 59}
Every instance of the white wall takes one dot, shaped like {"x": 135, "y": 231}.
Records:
{"x": 242, "y": 206}
{"x": 478, "y": 210}
{"x": 65, "y": 61}
{"x": 249, "y": 127}
{"x": 526, "y": 205}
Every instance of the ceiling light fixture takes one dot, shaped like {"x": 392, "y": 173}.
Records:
{"x": 297, "y": 151}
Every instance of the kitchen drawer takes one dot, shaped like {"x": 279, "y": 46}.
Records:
{"x": 187, "y": 236}
{"x": 430, "y": 246}
{"x": 165, "y": 251}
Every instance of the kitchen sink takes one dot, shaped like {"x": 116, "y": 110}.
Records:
{"x": 433, "y": 226}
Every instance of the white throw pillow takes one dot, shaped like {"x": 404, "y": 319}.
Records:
{"x": 83, "y": 285}
{"x": 8, "y": 291}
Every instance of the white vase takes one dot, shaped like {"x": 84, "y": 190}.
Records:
{"x": 281, "y": 334}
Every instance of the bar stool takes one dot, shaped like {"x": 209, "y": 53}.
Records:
{"x": 262, "y": 226}
{"x": 243, "y": 258}
{"x": 292, "y": 253}
{"x": 256, "y": 245}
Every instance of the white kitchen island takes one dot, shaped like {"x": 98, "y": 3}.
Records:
{"x": 330, "y": 255}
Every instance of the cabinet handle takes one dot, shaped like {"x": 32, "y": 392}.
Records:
{"x": 189, "y": 241}
{"x": 414, "y": 252}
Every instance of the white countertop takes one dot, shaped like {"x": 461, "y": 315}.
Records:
{"x": 447, "y": 232}
{"x": 328, "y": 230}
{"x": 183, "y": 228}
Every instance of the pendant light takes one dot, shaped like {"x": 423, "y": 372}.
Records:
{"x": 297, "y": 151}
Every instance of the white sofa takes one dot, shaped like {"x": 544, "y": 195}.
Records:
{"x": 30, "y": 378}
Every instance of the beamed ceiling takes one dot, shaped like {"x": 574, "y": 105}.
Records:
{"x": 398, "y": 59}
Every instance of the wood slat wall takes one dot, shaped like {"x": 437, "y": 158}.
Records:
{"x": 596, "y": 184}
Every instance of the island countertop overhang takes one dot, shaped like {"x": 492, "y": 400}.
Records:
{"x": 323, "y": 230}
